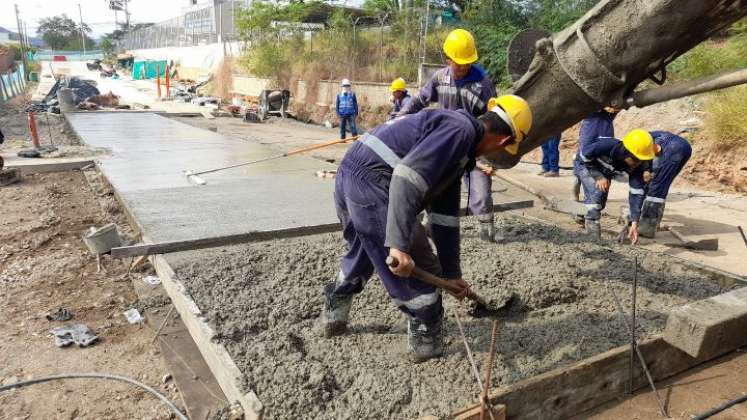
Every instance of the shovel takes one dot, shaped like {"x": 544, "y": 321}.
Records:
{"x": 709, "y": 244}
{"x": 481, "y": 309}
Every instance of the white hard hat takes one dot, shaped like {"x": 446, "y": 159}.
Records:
{"x": 345, "y": 82}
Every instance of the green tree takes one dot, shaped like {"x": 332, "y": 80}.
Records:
{"x": 61, "y": 32}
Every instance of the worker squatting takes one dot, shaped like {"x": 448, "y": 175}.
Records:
{"x": 416, "y": 162}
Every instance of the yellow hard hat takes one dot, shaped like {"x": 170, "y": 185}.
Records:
{"x": 460, "y": 47}
{"x": 515, "y": 111}
{"x": 398, "y": 84}
{"x": 640, "y": 143}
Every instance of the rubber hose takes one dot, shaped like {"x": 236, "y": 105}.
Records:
{"x": 720, "y": 408}
{"x": 97, "y": 376}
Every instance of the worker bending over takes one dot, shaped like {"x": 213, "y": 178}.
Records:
{"x": 400, "y": 97}
{"x": 385, "y": 180}
{"x": 464, "y": 85}
{"x": 672, "y": 153}
{"x": 599, "y": 124}
{"x": 596, "y": 164}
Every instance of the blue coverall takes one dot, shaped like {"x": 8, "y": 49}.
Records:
{"x": 551, "y": 154}
{"x": 346, "y": 106}
{"x": 599, "y": 124}
{"x": 470, "y": 94}
{"x": 398, "y": 105}
{"x": 675, "y": 152}
{"x": 602, "y": 158}
{"x": 385, "y": 180}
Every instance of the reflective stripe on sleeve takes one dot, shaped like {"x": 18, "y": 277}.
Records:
{"x": 381, "y": 149}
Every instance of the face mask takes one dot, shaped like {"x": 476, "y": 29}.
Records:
{"x": 346, "y": 89}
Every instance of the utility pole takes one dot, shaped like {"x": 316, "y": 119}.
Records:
{"x": 26, "y": 33}
{"x": 82, "y": 34}
{"x": 23, "y": 48}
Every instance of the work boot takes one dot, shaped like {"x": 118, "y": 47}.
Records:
{"x": 551, "y": 174}
{"x": 424, "y": 341}
{"x": 593, "y": 228}
{"x": 335, "y": 314}
{"x": 541, "y": 173}
{"x": 487, "y": 231}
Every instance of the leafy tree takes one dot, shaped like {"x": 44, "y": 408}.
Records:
{"x": 61, "y": 32}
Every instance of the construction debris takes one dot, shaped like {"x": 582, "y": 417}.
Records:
{"x": 73, "y": 334}
{"x": 61, "y": 314}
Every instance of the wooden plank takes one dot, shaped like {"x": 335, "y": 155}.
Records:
{"x": 568, "y": 391}
{"x": 499, "y": 413}
{"x": 239, "y": 238}
{"x": 43, "y": 167}
{"x": 216, "y": 356}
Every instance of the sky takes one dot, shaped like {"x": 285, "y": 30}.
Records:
{"x": 95, "y": 12}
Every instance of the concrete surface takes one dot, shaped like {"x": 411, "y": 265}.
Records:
{"x": 695, "y": 213}
{"x": 149, "y": 154}
{"x": 709, "y": 327}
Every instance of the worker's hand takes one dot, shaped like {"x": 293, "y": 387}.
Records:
{"x": 463, "y": 285}
{"x": 633, "y": 233}
{"x": 405, "y": 263}
{"x": 486, "y": 169}
{"x": 603, "y": 184}
{"x": 647, "y": 176}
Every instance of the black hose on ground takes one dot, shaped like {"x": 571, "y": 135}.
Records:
{"x": 158, "y": 395}
{"x": 720, "y": 408}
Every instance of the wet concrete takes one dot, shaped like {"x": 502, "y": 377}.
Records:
{"x": 263, "y": 299}
{"x": 150, "y": 154}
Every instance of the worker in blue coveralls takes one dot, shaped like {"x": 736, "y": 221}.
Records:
{"x": 551, "y": 157}
{"x": 599, "y": 160}
{"x": 672, "y": 153}
{"x": 346, "y": 106}
{"x": 599, "y": 124}
{"x": 386, "y": 179}
{"x": 464, "y": 85}
{"x": 400, "y": 97}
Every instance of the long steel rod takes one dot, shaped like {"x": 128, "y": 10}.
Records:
{"x": 625, "y": 320}
{"x": 489, "y": 371}
{"x": 632, "y": 329}
{"x": 471, "y": 359}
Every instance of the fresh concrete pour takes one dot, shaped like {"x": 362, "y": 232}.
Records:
{"x": 263, "y": 300}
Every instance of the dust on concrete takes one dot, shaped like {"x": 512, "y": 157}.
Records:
{"x": 263, "y": 300}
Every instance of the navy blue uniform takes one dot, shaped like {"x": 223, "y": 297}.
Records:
{"x": 385, "y": 180}
{"x": 551, "y": 154}
{"x": 398, "y": 105}
{"x": 675, "y": 152}
{"x": 602, "y": 158}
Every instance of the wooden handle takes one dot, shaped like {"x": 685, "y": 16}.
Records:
{"x": 319, "y": 146}
{"x": 436, "y": 281}
{"x": 678, "y": 235}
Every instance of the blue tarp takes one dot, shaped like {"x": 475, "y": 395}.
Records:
{"x": 146, "y": 69}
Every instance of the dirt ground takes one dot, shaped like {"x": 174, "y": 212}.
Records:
{"x": 263, "y": 299}
{"x": 44, "y": 265}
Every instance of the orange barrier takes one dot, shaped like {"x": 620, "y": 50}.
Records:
{"x": 33, "y": 131}
{"x": 158, "y": 80}
{"x": 168, "y": 82}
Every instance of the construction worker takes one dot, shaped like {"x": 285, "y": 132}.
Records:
{"x": 464, "y": 85}
{"x": 346, "y": 106}
{"x": 600, "y": 159}
{"x": 386, "y": 179}
{"x": 599, "y": 124}
{"x": 672, "y": 153}
{"x": 400, "y": 97}
{"x": 551, "y": 157}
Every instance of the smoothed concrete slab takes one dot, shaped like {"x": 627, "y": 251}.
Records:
{"x": 710, "y": 327}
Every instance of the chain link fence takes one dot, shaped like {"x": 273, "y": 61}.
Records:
{"x": 200, "y": 26}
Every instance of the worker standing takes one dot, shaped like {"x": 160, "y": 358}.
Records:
{"x": 464, "y": 85}
{"x": 346, "y": 106}
{"x": 384, "y": 182}
{"x": 672, "y": 153}
{"x": 551, "y": 157}
{"x": 598, "y": 125}
{"x": 600, "y": 159}
{"x": 400, "y": 97}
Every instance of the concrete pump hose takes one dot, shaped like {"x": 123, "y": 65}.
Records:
{"x": 160, "y": 396}
{"x": 712, "y": 412}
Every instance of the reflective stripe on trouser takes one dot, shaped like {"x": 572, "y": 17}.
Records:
{"x": 594, "y": 199}
{"x": 480, "y": 194}
{"x": 361, "y": 200}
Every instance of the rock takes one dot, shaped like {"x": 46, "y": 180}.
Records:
{"x": 166, "y": 378}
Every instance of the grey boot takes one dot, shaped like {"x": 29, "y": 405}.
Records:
{"x": 424, "y": 341}
{"x": 487, "y": 231}
{"x": 593, "y": 228}
{"x": 335, "y": 314}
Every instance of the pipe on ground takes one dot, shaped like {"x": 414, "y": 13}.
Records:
{"x": 606, "y": 54}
